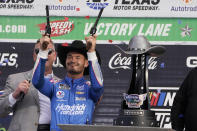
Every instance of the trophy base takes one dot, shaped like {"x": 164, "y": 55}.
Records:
{"x": 144, "y": 118}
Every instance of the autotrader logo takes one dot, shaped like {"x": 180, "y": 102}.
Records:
{"x": 97, "y": 4}
{"x": 186, "y": 6}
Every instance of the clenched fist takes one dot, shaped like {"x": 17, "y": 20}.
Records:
{"x": 44, "y": 42}
{"x": 91, "y": 43}
{"x": 22, "y": 87}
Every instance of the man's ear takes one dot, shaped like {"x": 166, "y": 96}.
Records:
{"x": 86, "y": 63}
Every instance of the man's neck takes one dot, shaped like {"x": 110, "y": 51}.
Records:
{"x": 74, "y": 76}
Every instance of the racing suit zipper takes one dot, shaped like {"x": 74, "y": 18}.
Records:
{"x": 69, "y": 98}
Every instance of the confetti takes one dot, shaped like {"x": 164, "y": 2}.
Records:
{"x": 16, "y": 66}
{"x": 110, "y": 41}
{"x": 179, "y": 22}
{"x": 87, "y": 17}
{"x": 13, "y": 47}
{"x": 77, "y": 9}
{"x": 66, "y": 18}
{"x": 6, "y": 60}
{"x": 65, "y": 44}
{"x": 162, "y": 65}
{"x": 116, "y": 72}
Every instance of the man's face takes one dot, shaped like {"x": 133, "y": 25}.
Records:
{"x": 76, "y": 63}
{"x": 51, "y": 56}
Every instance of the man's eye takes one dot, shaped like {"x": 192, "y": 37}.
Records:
{"x": 69, "y": 57}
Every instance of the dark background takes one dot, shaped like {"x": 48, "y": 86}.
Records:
{"x": 169, "y": 70}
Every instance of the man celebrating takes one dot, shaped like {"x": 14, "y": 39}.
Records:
{"x": 73, "y": 98}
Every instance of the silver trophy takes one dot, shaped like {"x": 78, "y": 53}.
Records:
{"x": 135, "y": 109}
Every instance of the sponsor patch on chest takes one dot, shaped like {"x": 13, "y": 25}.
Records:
{"x": 60, "y": 94}
{"x": 77, "y": 109}
{"x": 64, "y": 87}
{"x": 80, "y": 92}
{"x": 54, "y": 80}
{"x": 80, "y": 98}
{"x": 80, "y": 87}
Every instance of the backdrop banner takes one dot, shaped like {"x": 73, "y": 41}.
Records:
{"x": 113, "y": 8}
{"x": 109, "y": 30}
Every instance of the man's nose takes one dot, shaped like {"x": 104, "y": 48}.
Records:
{"x": 73, "y": 59}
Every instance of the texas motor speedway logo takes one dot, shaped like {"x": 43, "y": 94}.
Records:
{"x": 16, "y": 4}
{"x": 136, "y": 5}
{"x": 97, "y": 4}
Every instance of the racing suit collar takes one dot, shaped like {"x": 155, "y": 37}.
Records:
{"x": 75, "y": 81}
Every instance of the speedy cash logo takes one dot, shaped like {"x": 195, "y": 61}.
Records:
{"x": 118, "y": 61}
{"x": 144, "y": 5}
{"x": 97, "y": 4}
{"x": 58, "y": 27}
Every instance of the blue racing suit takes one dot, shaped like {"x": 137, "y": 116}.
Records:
{"x": 72, "y": 100}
